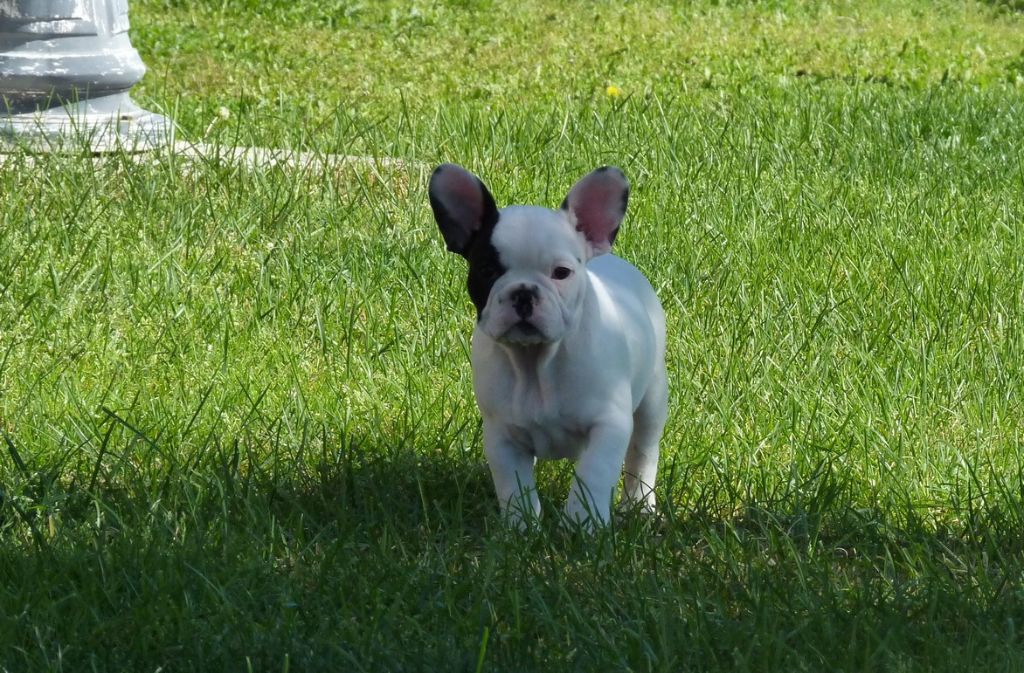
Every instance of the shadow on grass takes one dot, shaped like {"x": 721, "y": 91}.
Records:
{"x": 350, "y": 483}
{"x": 351, "y": 553}
{"x": 1007, "y": 5}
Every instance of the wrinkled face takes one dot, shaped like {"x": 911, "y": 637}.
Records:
{"x": 527, "y": 264}
{"x": 527, "y": 275}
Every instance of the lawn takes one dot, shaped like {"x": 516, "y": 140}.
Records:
{"x": 238, "y": 431}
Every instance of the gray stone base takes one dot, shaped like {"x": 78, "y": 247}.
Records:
{"x": 97, "y": 125}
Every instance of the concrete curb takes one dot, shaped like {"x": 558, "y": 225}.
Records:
{"x": 268, "y": 157}
{"x": 252, "y": 157}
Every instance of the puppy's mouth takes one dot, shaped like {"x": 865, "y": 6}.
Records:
{"x": 523, "y": 332}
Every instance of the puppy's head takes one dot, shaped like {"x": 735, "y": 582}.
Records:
{"x": 527, "y": 264}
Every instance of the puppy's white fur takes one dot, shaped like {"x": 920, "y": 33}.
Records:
{"x": 582, "y": 375}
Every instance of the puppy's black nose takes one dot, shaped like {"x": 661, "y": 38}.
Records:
{"x": 522, "y": 301}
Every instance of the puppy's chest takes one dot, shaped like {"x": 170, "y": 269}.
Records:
{"x": 543, "y": 416}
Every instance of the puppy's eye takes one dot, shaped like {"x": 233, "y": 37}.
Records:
{"x": 561, "y": 272}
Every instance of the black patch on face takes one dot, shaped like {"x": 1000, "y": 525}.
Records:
{"x": 485, "y": 266}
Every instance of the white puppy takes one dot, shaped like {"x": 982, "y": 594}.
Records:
{"x": 569, "y": 347}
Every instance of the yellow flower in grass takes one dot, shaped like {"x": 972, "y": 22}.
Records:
{"x": 613, "y": 91}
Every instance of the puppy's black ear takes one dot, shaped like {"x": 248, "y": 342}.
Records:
{"x": 596, "y": 205}
{"x": 461, "y": 204}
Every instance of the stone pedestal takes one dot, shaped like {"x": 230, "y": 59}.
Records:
{"x": 66, "y": 67}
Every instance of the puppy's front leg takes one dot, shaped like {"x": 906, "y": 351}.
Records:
{"x": 597, "y": 472}
{"x": 512, "y": 471}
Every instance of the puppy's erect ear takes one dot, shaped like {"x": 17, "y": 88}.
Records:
{"x": 461, "y": 204}
{"x": 596, "y": 206}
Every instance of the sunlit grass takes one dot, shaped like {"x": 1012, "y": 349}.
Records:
{"x": 238, "y": 428}
{"x": 305, "y": 59}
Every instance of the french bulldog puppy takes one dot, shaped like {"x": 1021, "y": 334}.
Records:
{"x": 569, "y": 347}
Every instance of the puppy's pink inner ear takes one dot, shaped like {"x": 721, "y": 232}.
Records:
{"x": 595, "y": 220}
{"x": 460, "y": 193}
{"x": 461, "y": 205}
{"x": 598, "y": 203}
{"x": 463, "y": 189}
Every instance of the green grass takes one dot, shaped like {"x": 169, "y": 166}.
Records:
{"x": 238, "y": 428}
